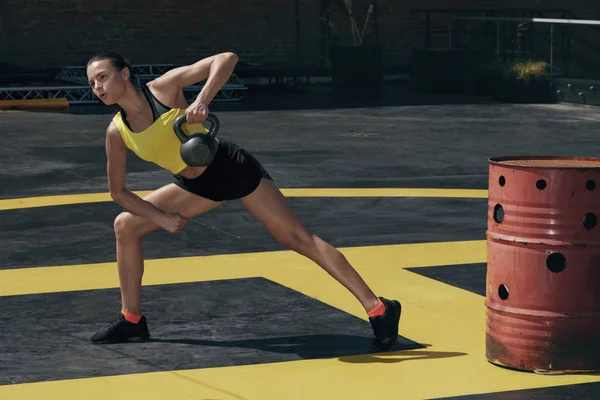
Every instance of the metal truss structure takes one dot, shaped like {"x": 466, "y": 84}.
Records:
{"x": 73, "y": 94}
{"x": 79, "y": 92}
{"x": 78, "y": 74}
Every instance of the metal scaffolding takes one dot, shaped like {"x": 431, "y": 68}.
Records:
{"x": 79, "y": 92}
{"x": 77, "y": 74}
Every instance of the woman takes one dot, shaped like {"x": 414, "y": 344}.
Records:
{"x": 144, "y": 125}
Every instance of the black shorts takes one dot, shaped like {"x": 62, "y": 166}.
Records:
{"x": 234, "y": 173}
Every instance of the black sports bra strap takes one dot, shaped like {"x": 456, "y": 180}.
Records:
{"x": 158, "y": 108}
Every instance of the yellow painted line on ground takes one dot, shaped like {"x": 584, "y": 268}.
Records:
{"x": 34, "y": 103}
{"x": 388, "y": 192}
{"x": 58, "y": 200}
{"x": 448, "y": 319}
{"x": 204, "y": 268}
{"x": 406, "y": 375}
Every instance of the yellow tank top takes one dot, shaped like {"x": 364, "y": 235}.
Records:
{"x": 158, "y": 144}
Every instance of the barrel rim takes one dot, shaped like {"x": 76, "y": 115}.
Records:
{"x": 499, "y": 161}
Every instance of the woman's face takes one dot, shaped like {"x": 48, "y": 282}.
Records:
{"x": 107, "y": 83}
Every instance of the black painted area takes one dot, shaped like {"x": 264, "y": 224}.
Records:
{"x": 195, "y": 325}
{"x": 582, "y": 391}
{"x": 434, "y": 145}
{"x": 83, "y": 233}
{"x": 469, "y": 277}
{"x": 66, "y": 168}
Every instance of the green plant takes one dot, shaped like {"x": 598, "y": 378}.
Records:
{"x": 529, "y": 69}
{"x": 512, "y": 69}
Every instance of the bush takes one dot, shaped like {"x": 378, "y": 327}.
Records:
{"x": 515, "y": 80}
{"x": 513, "y": 69}
{"x": 529, "y": 69}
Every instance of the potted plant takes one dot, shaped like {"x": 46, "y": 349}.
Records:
{"x": 521, "y": 81}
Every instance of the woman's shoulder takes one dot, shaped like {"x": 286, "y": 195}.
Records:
{"x": 113, "y": 128}
{"x": 114, "y": 136}
{"x": 166, "y": 93}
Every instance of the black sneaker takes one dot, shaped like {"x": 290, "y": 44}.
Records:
{"x": 122, "y": 330}
{"x": 385, "y": 327}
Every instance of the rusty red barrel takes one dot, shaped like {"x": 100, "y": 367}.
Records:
{"x": 543, "y": 270}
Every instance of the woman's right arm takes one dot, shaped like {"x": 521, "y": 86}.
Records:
{"x": 116, "y": 153}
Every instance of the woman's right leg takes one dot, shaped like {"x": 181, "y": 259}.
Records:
{"x": 129, "y": 231}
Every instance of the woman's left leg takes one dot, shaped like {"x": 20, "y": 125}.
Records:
{"x": 271, "y": 208}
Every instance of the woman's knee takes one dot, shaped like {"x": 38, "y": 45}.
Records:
{"x": 299, "y": 241}
{"x": 124, "y": 225}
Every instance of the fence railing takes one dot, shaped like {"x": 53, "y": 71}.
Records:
{"x": 567, "y": 43}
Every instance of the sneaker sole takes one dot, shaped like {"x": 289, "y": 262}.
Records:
{"x": 133, "y": 339}
{"x": 397, "y": 315}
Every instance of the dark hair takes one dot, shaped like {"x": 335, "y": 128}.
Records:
{"x": 117, "y": 61}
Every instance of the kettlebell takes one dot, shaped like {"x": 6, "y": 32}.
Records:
{"x": 199, "y": 149}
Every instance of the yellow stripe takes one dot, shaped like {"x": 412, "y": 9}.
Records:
{"x": 387, "y": 192}
{"x": 60, "y": 200}
{"x": 417, "y": 374}
{"x": 450, "y": 320}
{"x": 34, "y": 103}
{"x": 51, "y": 279}
{"x": 47, "y": 201}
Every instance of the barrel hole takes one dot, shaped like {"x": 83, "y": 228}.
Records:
{"x": 498, "y": 213}
{"x": 556, "y": 262}
{"x": 590, "y": 220}
{"x": 503, "y": 292}
{"x": 541, "y": 184}
{"x": 502, "y": 181}
{"x": 590, "y": 185}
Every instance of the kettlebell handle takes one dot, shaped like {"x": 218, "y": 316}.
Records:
{"x": 212, "y": 132}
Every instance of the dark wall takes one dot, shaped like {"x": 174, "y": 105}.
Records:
{"x": 54, "y": 33}
{"x": 67, "y": 32}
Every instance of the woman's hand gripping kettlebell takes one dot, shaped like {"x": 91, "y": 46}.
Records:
{"x": 197, "y": 112}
